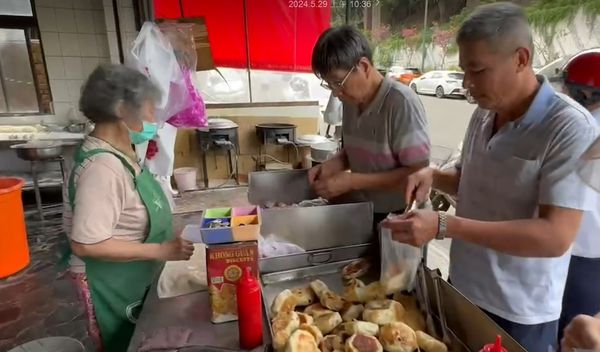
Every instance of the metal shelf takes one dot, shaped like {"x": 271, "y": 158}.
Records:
{"x": 48, "y": 179}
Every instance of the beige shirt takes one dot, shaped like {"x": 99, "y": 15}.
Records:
{"x": 107, "y": 205}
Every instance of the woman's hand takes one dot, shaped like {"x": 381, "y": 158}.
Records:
{"x": 176, "y": 249}
{"x": 583, "y": 332}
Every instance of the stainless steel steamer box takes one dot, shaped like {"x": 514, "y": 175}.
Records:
{"x": 335, "y": 235}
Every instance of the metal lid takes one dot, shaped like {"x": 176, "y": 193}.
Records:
{"x": 310, "y": 139}
{"x": 221, "y": 123}
{"x": 275, "y": 125}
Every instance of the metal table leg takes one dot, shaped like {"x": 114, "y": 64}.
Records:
{"x": 231, "y": 170}
{"x": 204, "y": 169}
{"x": 36, "y": 189}
{"x": 61, "y": 163}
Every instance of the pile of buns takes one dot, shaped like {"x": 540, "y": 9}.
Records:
{"x": 363, "y": 319}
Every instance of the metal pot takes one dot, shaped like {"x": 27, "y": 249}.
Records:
{"x": 322, "y": 151}
{"x": 38, "y": 150}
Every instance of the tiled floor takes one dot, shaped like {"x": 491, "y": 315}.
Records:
{"x": 40, "y": 300}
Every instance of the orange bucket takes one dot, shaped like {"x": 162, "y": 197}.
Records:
{"x": 14, "y": 251}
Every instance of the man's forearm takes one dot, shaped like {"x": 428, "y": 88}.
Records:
{"x": 525, "y": 238}
{"x": 446, "y": 180}
{"x": 337, "y": 163}
{"x": 393, "y": 179}
{"x": 118, "y": 251}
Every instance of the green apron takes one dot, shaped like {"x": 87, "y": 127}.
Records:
{"x": 118, "y": 289}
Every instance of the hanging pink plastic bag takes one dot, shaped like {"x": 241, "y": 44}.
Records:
{"x": 195, "y": 115}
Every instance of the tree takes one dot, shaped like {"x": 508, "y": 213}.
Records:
{"x": 544, "y": 47}
{"x": 380, "y": 34}
{"x": 385, "y": 45}
{"x": 412, "y": 41}
{"x": 443, "y": 38}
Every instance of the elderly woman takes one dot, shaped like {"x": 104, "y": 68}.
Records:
{"x": 121, "y": 223}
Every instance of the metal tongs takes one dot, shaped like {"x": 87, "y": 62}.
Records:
{"x": 423, "y": 294}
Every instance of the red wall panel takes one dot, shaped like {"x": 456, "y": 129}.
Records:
{"x": 281, "y": 37}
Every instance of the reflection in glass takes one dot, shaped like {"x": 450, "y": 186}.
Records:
{"x": 18, "y": 87}
{"x": 267, "y": 86}
{"x": 15, "y": 8}
{"x": 232, "y": 87}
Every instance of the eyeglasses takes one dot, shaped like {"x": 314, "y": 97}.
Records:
{"x": 337, "y": 85}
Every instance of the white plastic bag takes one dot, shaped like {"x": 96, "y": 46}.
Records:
{"x": 399, "y": 263}
{"x": 271, "y": 246}
{"x": 153, "y": 55}
{"x": 162, "y": 163}
{"x": 333, "y": 111}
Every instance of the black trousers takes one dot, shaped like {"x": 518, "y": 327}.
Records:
{"x": 582, "y": 291}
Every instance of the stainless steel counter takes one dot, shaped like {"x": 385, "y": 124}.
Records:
{"x": 189, "y": 311}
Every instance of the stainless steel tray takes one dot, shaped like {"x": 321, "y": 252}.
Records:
{"x": 330, "y": 274}
{"x": 285, "y": 186}
{"x": 274, "y": 283}
{"x": 289, "y": 187}
{"x": 313, "y": 258}
{"x": 320, "y": 227}
{"x": 468, "y": 327}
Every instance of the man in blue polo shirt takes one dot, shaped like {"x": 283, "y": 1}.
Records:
{"x": 520, "y": 205}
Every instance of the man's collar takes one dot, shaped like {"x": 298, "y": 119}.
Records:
{"x": 540, "y": 104}
{"x": 379, "y": 98}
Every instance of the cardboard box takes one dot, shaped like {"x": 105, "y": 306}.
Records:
{"x": 224, "y": 266}
{"x": 204, "y": 55}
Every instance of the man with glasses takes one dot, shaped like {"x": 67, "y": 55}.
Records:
{"x": 384, "y": 129}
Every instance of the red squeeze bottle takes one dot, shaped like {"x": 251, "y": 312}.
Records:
{"x": 249, "y": 308}
{"x": 494, "y": 347}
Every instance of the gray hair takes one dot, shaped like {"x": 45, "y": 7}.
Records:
{"x": 339, "y": 48}
{"x": 108, "y": 85}
{"x": 503, "y": 25}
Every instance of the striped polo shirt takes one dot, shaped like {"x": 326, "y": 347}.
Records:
{"x": 390, "y": 133}
{"x": 506, "y": 176}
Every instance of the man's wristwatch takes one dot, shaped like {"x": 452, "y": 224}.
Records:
{"x": 442, "y": 224}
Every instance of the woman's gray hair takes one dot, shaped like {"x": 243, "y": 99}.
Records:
{"x": 108, "y": 85}
{"x": 503, "y": 25}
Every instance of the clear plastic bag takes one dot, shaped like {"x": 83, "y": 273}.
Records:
{"x": 181, "y": 37}
{"x": 399, "y": 263}
{"x": 152, "y": 54}
{"x": 272, "y": 246}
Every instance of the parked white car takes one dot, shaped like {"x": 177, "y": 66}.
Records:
{"x": 440, "y": 83}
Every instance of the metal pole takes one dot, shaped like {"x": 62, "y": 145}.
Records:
{"x": 423, "y": 34}
{"x": 247, "y": 48}
{"x": 347, "y": 12}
